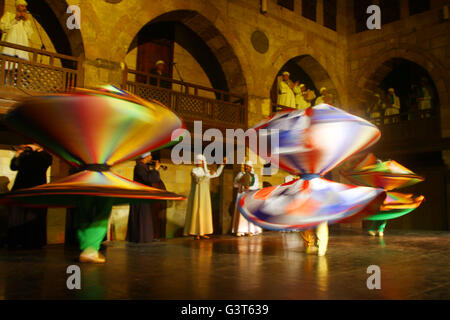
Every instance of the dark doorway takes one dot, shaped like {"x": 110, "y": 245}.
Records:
{"x": 159, "y": 37}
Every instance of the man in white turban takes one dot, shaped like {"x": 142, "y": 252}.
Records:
{"x": 198, "y": 222}
{"x": 286, "y": 96}
{"x": 324, "y": 97}
{"x": 160, "y": 70}
{"x": 17, "y": 29}
{"x": 245, "y": 180}
{"x": 300, "y": 102}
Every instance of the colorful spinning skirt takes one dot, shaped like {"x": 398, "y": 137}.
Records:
{"x": 93, "y": 130}
{"x": 310, "y": 143}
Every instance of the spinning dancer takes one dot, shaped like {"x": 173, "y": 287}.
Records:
{"x": 312, "y": 143}
{"x": 198, "y": 213}
{"x": 88, "y": 121}
{"x": 388, "y": 175}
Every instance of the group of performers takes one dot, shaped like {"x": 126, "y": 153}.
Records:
{"x": 312, "y": 142}
{"x": 295, "y": 95}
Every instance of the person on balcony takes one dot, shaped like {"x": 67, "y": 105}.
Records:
{"x": 325, "y": 97}
{"x": 198, "y": 222}
{"x": 159, "y": 70}
{"x": 392, "y": 107}
{"x": 300, "y": 102}
{"x": 17, "y": 29}
{"x": 424, "y": 98}
{"x": 286, "y": 96}
{"x": 375, "y": 111}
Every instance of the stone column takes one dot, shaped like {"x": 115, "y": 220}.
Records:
{"x": 345, "y": 21}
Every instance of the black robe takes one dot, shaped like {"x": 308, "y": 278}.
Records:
{"x": 27, "y": 227}
{"x": 141, "y": 221}
{"x": 162, "y": 83}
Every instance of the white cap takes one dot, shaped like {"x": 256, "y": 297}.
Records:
{"x": 248, "y": 163}
{"x": 159, "y": 62}
{"x": 21, "y": 3}
{"x": 145, "y": 155}
{"x": 323, "y": 89}
{"x": 286, "y": 73}
{"x": 200, "y": 158}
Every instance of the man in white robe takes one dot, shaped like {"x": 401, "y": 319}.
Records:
{"x": 374, "y": 112}
{"x": 286, "y": 96}
{"x": 17, "y": 29}
{"x": 324, "y": 97}
{"x": 198, "y": 221}
{"x": 300, "y": 102}
{"x": 424, "y": 98}
{"x": 246, "y": 180}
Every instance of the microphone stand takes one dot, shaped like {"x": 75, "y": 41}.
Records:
{"x": 178, "y": 72}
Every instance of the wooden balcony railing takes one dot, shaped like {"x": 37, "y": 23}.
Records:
{"x": 215, "y": 108}
{"x": 415, "y": 131}
{"x": 44, "y": 72}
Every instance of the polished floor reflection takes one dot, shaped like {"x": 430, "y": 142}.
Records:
{"x": 414, "y": 265}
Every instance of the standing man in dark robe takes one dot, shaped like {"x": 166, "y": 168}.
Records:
{"x": 142, "y": 218}
{"x": 160, "y": 70}
{"x": 27, "y": 227}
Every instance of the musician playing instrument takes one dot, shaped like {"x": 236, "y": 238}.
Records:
{"x": 245, "y": 180}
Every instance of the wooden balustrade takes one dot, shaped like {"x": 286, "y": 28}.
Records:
{"x": 216, "y": 108}
{"x": 44, "y": 72}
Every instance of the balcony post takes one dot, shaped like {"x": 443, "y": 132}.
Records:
{"x": 124, "y": 68}
{"x": 80, "y": 71}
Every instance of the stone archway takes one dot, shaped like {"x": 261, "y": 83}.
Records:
{"x": 52, "y": 16}
{"x": 314, "y": 74}
{"x": 217, "y": 58}
{"x": 377, "y": 69}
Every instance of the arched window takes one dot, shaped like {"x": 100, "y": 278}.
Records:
{"x": 329, "y": 13}
{"x": 288, "y": 4}
{"x": 418, "y": 6}
{"x": 309, "y": 9}
{"x": 390, "y": 11}
{"x": 360, "y": 14}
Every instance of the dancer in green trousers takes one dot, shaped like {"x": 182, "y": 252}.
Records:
{"x": 92, "y": 225}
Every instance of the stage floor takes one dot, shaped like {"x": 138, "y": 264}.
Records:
{"x": 414, "y": 265}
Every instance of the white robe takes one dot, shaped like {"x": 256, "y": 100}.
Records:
{"x": 240, "y": 224}
{"x": 17, "y": 32}
{"x": 424, "y": 102}
{"x": 300, "y": 102}
{"x": 198, "y": 213}
{"x": 393, "y": 108}
{"x": 286, "y": 96}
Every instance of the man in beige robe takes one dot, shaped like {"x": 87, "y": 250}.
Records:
{"x": 300, "y": 102}
{"x": 198, "y": 222}
{"x": 325, "y": 97}
{"x": 17, "y": 29}
{"x": 286, "y": 96}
